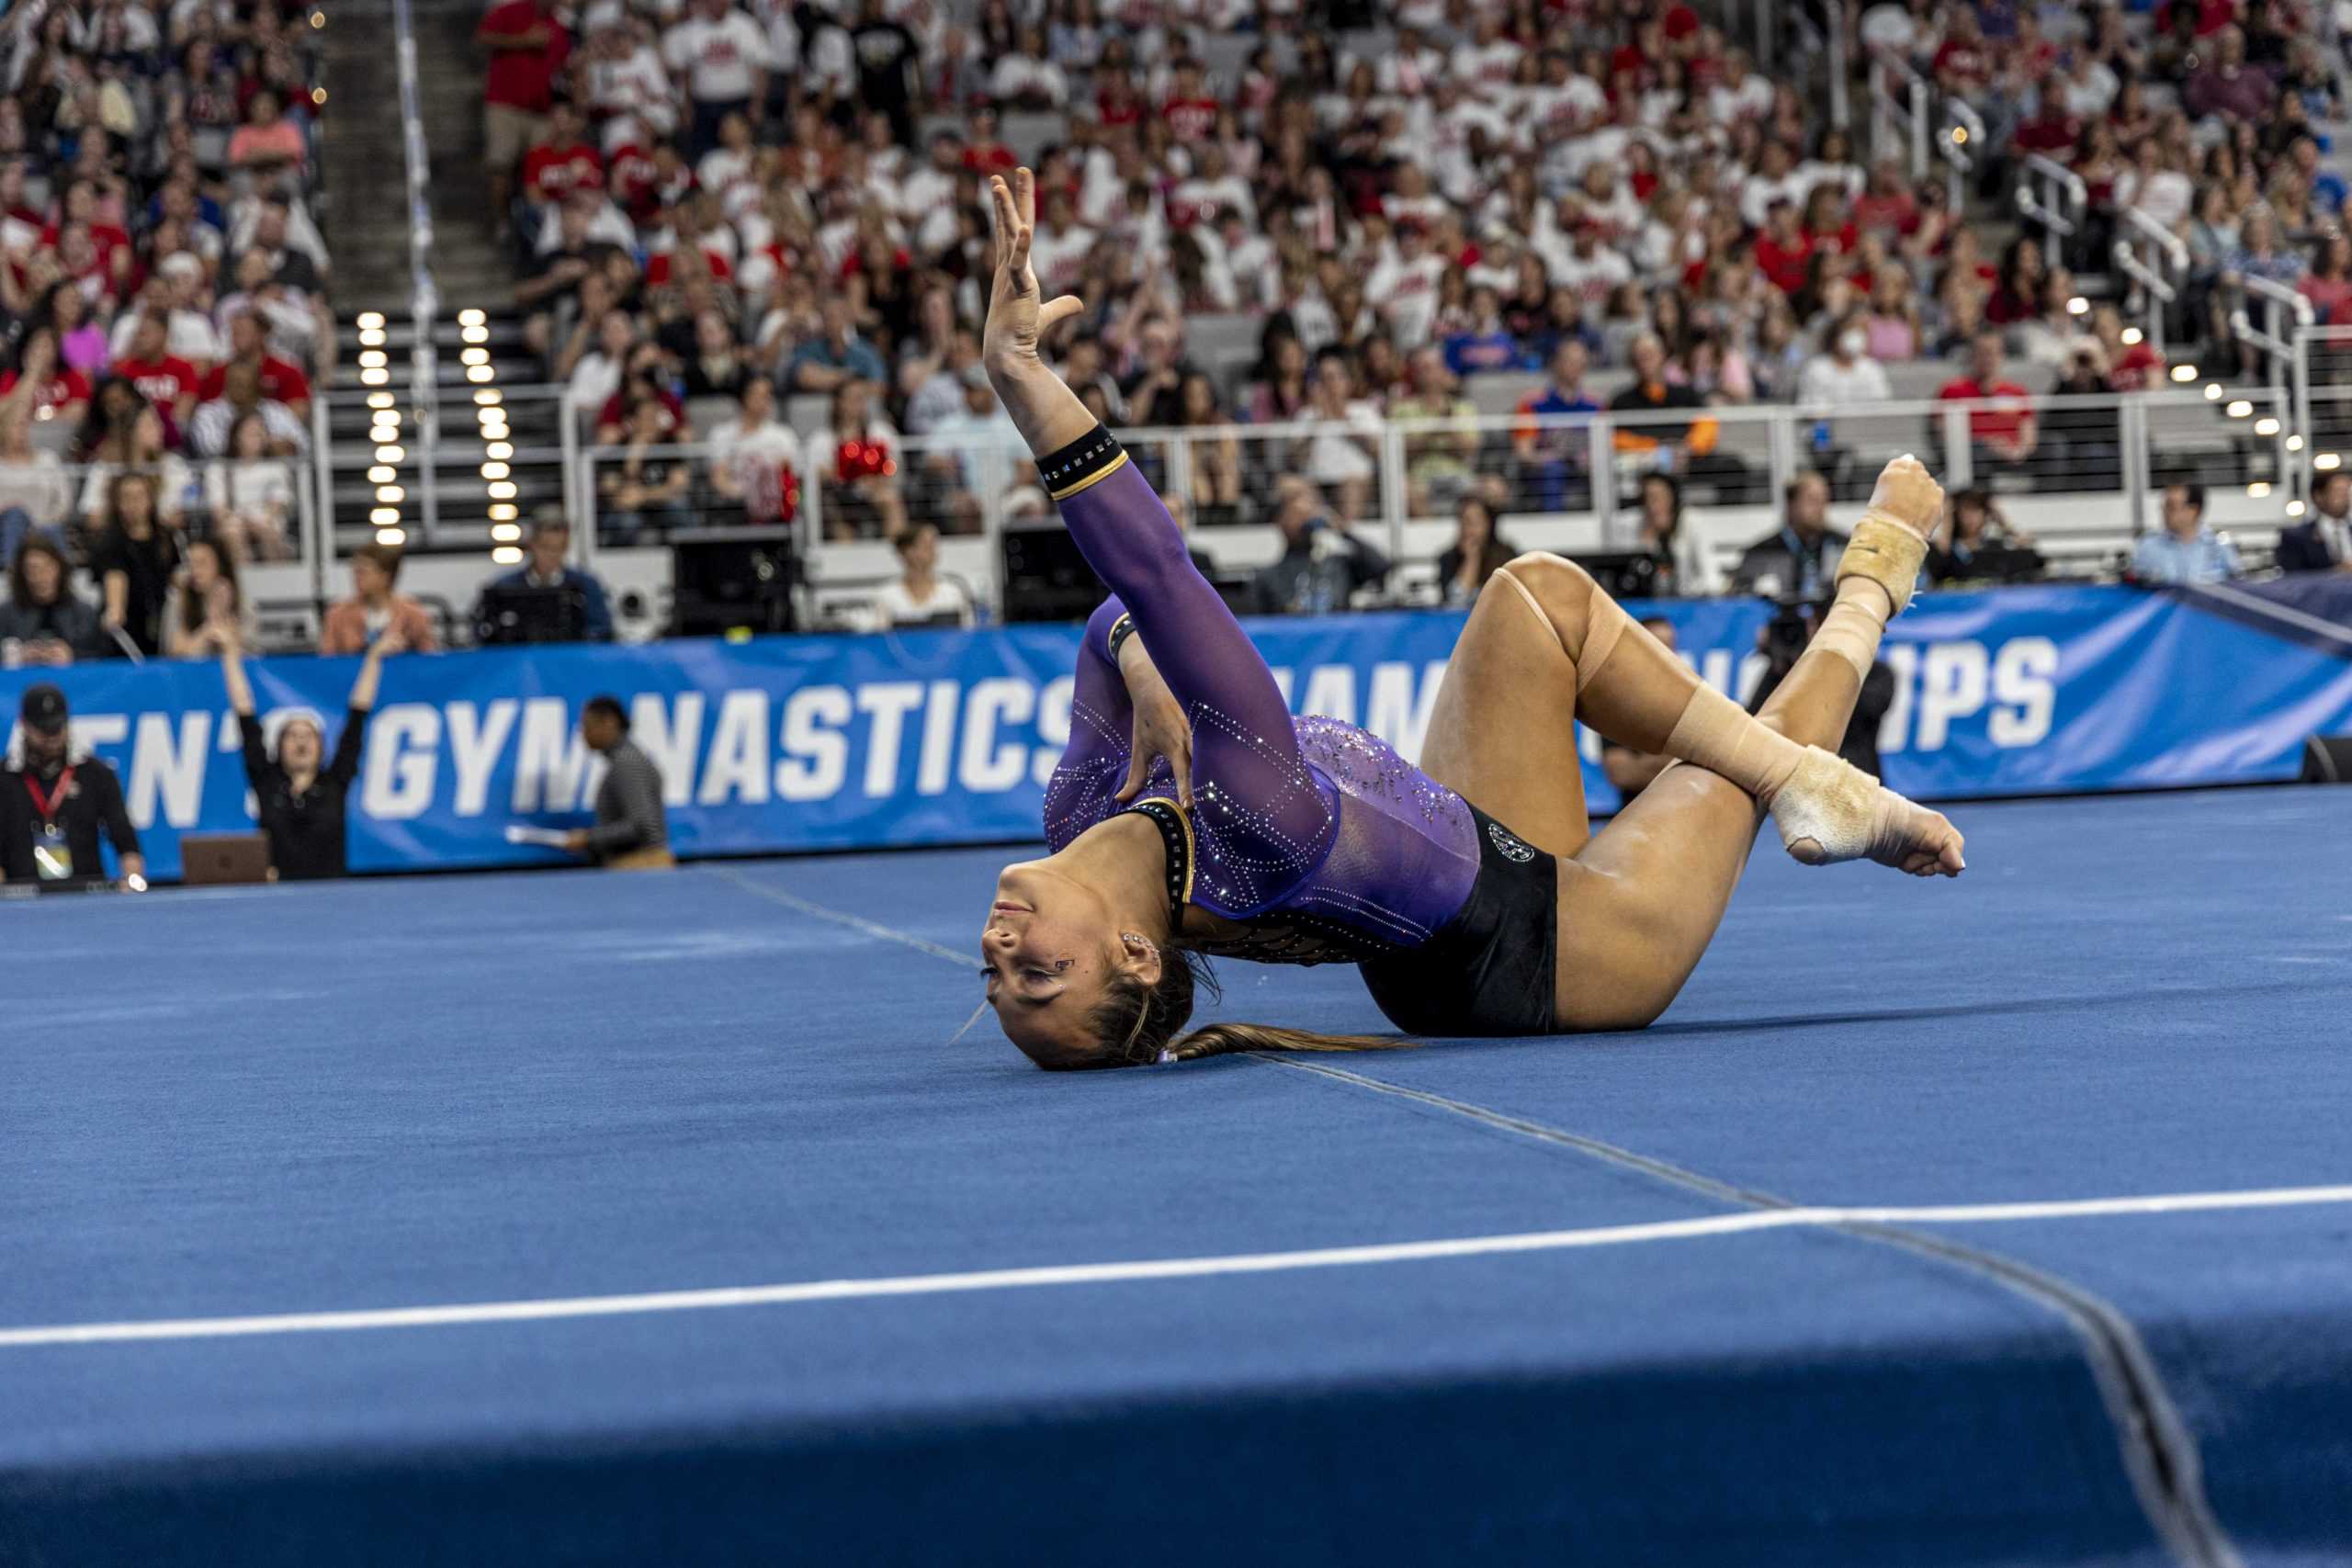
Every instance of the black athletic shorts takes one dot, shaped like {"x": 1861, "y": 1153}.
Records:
{"x": 1489, "y": 969}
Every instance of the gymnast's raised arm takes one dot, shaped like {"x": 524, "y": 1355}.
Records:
{"x": 1240, "y": 723}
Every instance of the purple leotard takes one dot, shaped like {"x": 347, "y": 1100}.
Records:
{"x": 1316, "y": 836}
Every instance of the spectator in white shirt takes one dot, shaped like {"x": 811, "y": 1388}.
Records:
{"x": 1843, "y": 375}
{"x": 1741, "y": 95}
{"x": 623, "y": 80}
{"x": 1028, "y": 79}
{"x": 720, "y": 56}
{"x": 921, "y": 596}
{"x": 1776, "y": 179}
{"x": 755, "y": 462}
{"x": 1339, "y": 455}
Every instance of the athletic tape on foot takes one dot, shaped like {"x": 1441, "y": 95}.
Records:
{"x": 1887, "y": 552}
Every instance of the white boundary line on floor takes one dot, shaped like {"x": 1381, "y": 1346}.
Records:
{"x": 1153, "y": 1269}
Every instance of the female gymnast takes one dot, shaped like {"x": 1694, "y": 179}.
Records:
{"x": 1192, "y": 814}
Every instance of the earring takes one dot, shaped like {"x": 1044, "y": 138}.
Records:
{"x": 1140, "y": 940}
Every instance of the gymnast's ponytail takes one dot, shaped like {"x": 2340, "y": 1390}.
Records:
{"x": 1137, "y": 1024}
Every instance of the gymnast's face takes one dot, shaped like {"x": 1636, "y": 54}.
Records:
{"x": 1047, "y": 948}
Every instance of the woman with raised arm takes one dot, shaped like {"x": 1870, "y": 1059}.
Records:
{"x": 300, "y": 803}
{"x": 1192, "y": 814}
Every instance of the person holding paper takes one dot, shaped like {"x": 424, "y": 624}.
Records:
{"x": 630, "y": 834}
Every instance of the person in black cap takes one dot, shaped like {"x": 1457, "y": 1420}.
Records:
{"x": 54, "y": 806}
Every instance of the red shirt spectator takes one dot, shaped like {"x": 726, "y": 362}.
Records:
{"x": 1191, "y": 120}
{"x": 66, "y": 386}
{"x": 1963, "y": 64}
{"x": 523, "y": 78}
{"x": 2136, "y": 369}
{"x": 657, "y": 270}
{"x": 1783, "y": 258}
{"x": 162, "y": 379}
{"x": 281, "y": 382}
{"x": 2005, "y": 429}
{"x": 549, "y": 173}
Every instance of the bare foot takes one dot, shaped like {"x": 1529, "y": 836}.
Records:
{"x": 1913, "y": 839}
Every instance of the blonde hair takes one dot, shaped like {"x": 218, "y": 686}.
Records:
{"x": 1135, "y": 1025}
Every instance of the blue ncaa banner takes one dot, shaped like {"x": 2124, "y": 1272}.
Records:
{"x": 942, "y": 737}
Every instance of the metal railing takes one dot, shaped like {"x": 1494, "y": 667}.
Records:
{"x": 2054, "y": 197}
{"x": 1575, "y": 481}
{"x": 1900, "y": 100}
{"x": 2155, "y": 260}
{"x": 424, "y": 300}
{"x": 1960, "y": 140}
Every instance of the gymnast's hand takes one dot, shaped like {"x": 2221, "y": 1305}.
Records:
{"x": 1908, "y": 493}
{"x": 1161, "y": 730}
{"x": 1018, "y": 314}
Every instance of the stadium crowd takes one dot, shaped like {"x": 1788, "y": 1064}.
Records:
{"x": 706, "y": 196}
{"x": 162, "y": 298}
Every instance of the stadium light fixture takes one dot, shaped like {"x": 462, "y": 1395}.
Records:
{"x": 2294, "y": 443}
{"x": 505, "y": 512}
{"x": 498, "y": 451}
{"x": 384, "y": 516}
{"x": 501, "y": 489}
{"x": 479, "y": 373}
{"x": 375, "y": 378}
{"x": 488, "y": 398}
{"x": 506, "y": 532}
{"x": 1960, "y": 136}
{"x": 391, "y": 495}
{"x": 2266, "y": 425}
{"x": 507, "y": 555}
{"x": 2295, "y": 509}
{"x": 2328, "y": 462}
{"x": 391, "y": 536}
{"x": 471, "y": 318}
{"x": 2131, "y": 336}
{"x": 372, "y": 357}
{"x": 494, "y": 470}
{"x": 2239, "y": 408}
{"x": 2078, "y": 306}
{"x": 381, "y": 475}
{"x": 370, "y": 319}
{"x": 473, "y": 334}
{"x": 2258, "y": 489}
{"x": 2212, "y": 391}
{"x": 371, "y": 337}
{"x": 390, "y": 454}
{"x": 319, "y": 97}
{"x": 474, "y": 356}
{"x": 2184, "y": 373}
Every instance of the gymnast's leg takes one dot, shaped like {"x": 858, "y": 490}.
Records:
{"x": 1639, "y": 905}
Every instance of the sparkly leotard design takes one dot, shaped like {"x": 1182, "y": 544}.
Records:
{"x": 1314, "y": 836}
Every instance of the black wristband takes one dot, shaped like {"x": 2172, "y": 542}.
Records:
{"x": 1121, "y": 629}
{"x": 1073, "y": 468}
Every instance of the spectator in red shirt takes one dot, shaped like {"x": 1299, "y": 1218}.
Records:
{"x": 562, "y": 159}
{"x": 1963, "y": 63}
{"x": 983, "y": 153}
{"x": 1886, "y": 206}
{"x": 1191, "y": 109}
{"x": 162, "y": 379}
{"x": 41, "y": 386}
{"x": 1783, "y": 250}
{"x": 1998, "y": 437}
{"x": 281, "y": 381}
{"x": 527, "y": 47}
{"x": 2229, "y": 86}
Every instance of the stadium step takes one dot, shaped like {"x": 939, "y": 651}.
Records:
{"x": 493, "y": 466}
